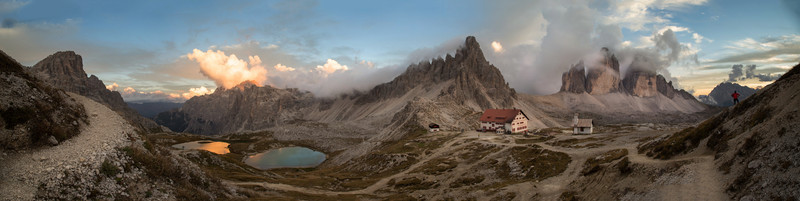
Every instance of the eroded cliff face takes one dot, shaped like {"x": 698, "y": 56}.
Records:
{"x": 605, "y": 78}
{"x": 64, "y": 70}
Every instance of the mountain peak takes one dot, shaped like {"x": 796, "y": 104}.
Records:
{"x": 65, "y": 63}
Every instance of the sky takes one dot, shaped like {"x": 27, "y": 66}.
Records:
{"x": 174, "y": 50}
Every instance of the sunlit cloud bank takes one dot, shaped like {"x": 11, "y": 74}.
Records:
{"x": 129, "y": 94}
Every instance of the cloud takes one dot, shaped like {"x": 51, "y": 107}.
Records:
{"x": 497, "y": 46}
{"x": 196, "y": 92}
{"x": 283, "y": 68}
{"x": 11, "y": 5}
{"x": 330, "y": 67}
{"x": 636, "y": 14}
{"x": 228, "y": 71}
{"x": 130, "y": 94}
{"x": 112, "y": 87}
{"x": 741, "y": 72}
{"x": 749, "y": 50}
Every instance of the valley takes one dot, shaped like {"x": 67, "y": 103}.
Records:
{"x": 475, "y": 165}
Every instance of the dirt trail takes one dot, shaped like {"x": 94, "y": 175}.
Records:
{"x": 21, "y": 173}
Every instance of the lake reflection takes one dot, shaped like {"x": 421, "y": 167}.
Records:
{"x": 212, "y": 146}
{"x": 287, "y": 157}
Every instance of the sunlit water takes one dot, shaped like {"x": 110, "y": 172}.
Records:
{"x": 212, "y": 146}
{"x": 287, "y": 157}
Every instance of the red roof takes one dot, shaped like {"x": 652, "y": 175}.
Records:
{"x": 501, "y": 115}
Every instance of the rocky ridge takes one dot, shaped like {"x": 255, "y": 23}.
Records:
{"x": 475, "y": 79}
{"x": 32, "y": 112}
{"x": 64, "y": 70}
{"x": 244, "y": 107}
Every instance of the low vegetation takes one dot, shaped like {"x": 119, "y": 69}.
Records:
{"x": 593, "y": 165}
{"x": 683, "y": 141}
{"x": 529, "y": 163}
{"x": 590, "y": 142}
{"x": 533, "y": 140}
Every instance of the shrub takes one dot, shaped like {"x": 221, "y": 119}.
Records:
{"x": 108, "y": 168}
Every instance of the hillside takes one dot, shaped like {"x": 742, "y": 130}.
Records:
{"x": 64, "y": 70}
{"x": 33, "y": 113}
{"x": 754, "y": 143}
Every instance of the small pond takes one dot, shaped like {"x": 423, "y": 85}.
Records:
{"x": 212, "y": 146}
{"x": 287, "y": 157}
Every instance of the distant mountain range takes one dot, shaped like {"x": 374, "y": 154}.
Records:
{"x": 151, "y": 109}
{"x": 443, "y": 90}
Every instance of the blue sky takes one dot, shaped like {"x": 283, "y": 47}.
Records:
{"x": 331, "y": 47}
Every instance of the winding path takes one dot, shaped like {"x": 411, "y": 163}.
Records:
{"x": 21, "y": 173}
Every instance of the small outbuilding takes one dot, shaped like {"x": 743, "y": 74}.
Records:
{"x": 433, "y": 127}
{"x": 581, "y": 126}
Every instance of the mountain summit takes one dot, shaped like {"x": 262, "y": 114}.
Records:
{"x": 473, "y": 79}
{"x": 64, "y": 70}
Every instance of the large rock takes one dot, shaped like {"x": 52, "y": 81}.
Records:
{"x": 64, "y": 70}
{"x": 574, "y": 80}
{"x": 604, "y": 78}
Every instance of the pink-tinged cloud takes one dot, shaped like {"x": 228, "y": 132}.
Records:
{"x": 228, "y": 71}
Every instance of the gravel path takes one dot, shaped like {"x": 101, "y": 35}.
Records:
{"x": 22, "y": 172}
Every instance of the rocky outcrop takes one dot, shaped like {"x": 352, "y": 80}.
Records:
{"x": 600, "y": 78}
{"x": 64, "y": 70}
{"x": 604, "y": 78}
{"x": 31, "y": 111}
{"x": 244, "y": 107}
{"x": 474, "y": 79}
{"x": 574, "y": 80}
{"x": 721, "y": 94}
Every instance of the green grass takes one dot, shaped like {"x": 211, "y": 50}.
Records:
{"x": 576, "y": 142}
{"x": 109, "y": 169}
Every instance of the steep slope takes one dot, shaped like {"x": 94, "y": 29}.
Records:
{"x": 721, "y": 94}
{"x": 31, "y": 111}
{"x": 754, "y": 143}
{"x": 64, "y": 70}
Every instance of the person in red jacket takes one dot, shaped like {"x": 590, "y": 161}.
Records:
{"x": 735, "y": 97}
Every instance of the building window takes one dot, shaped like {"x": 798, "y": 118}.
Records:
{"x": 581, "y": 129}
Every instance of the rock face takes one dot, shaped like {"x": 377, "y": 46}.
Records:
{"x": 721, "y": 94}
{"x": 605, "y": 78}
{"x": 575, "y": 79}
{"x": 473, "y": 78}
{"x": 243, "y": 107}
{"x": 31, "y": 111}
{"x": 64, "y": 70}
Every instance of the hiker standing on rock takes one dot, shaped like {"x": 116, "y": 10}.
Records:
{"x": 735, "y": 97}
